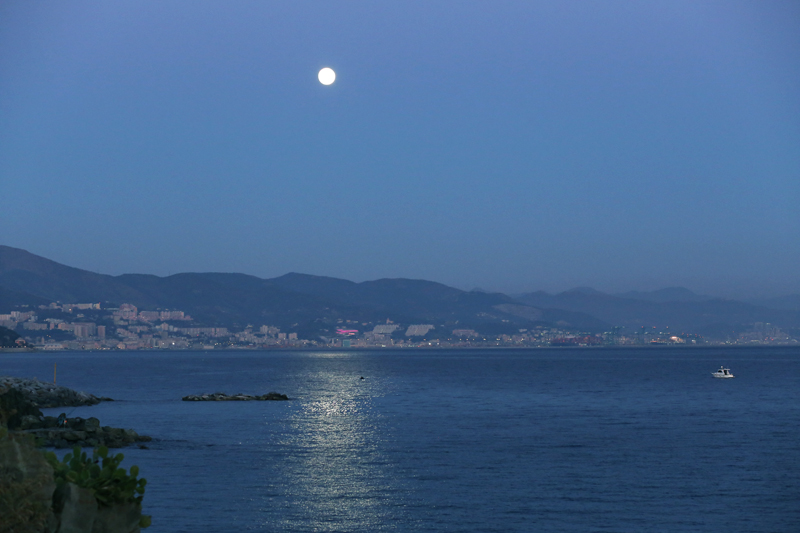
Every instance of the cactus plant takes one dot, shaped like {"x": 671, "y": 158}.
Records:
{"x": 102, "y": 474}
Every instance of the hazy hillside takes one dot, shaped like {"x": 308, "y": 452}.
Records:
{"x": 690, "y": 312}
{"x": 787, "y": 303}
{"x": 9, "y": 299}
{"x": 669, "y": 294}
{"x": 404, "y": 296}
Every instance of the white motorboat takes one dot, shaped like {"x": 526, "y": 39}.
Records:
{"x": 722, "y": 373}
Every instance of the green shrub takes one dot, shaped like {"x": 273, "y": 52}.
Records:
{"x": 102, "y": 474}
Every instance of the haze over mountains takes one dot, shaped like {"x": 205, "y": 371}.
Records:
{"x": 678, "y": 308}
{"x": 310, "y": 303}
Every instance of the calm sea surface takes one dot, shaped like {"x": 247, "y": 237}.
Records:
{"x": 474, "y": 440}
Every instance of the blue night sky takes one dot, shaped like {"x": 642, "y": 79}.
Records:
{"x": 511, "y": 146}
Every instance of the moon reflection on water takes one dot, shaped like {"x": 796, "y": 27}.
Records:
{"x": 336, "y": 466}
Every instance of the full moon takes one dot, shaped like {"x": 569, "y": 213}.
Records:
{"x": 326, "y": 76}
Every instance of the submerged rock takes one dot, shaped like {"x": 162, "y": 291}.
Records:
{"x": 222, "y": 397}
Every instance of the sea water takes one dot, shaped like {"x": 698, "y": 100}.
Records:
{"x": 454, "y": 440}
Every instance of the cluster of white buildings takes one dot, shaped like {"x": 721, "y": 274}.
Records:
{"x": 89, "y": 326}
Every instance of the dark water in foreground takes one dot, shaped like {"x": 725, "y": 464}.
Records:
{"x": 535, "y": 440}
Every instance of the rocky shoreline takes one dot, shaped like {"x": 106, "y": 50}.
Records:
{"x": 44, "y": 395}
{"x": 222, "y": 397}
{"x": 86, "y": 433}
{"x": 20, "y": 403}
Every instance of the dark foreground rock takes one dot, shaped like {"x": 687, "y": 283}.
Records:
{"x": 77, "y": 510}
{"x": 20, "y": 414}
{"x": 43, "y": 394}
{"x": 31, "y": 501}
{"x": 222, "y": 397}
{"x": 26, "y": 486}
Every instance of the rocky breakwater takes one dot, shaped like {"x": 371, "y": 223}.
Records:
{"x": 222, "y": 397}
{"x": 20, "y": 400}
{"x": 44, "y": 395}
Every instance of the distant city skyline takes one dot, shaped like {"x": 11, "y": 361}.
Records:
{"x": 511, "y": 147}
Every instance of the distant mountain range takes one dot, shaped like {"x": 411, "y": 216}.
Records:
{"x": 679, "y": 308}
{"x": 299, "y": 302}
{"x": 313, "y": 304}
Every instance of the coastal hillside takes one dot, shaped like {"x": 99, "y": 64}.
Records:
{"x": 27, "y": 276}
{"x": 8, "y": 338}
{"x": 307, "y": 304}
{"x": 314, "y": 305}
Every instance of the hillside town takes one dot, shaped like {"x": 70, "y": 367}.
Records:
{"x": 90, "y": 326}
